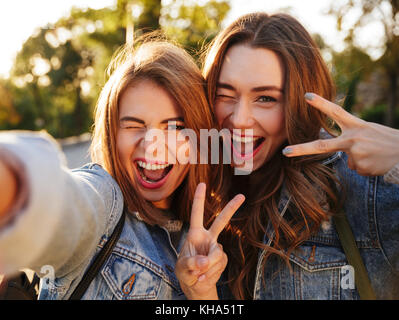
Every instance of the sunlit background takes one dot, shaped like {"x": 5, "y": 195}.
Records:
{"x": 54, "y": 53}
{"x": 20, "y": 18}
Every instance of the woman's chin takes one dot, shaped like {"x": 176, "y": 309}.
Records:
{"x": 247, "y": 166}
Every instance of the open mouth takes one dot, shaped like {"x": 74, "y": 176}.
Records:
{"x": 152, "y": 175}
{"x": 246, "y": 147}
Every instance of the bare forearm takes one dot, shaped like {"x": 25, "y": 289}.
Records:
{"x": 8, "y": 187}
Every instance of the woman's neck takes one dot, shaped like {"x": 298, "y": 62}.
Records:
{"x": 163, "y": 204}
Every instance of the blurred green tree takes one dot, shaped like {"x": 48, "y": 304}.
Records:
{"x": 191, "y": 24}
{"x": 385, "y": 12}
{"x": 58, "y": 73}
{"x": 350, "y": 66}
{"x": 9, "y": 116}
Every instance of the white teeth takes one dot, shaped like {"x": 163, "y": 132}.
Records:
{"x": 150, "y": 166}
{"x": 244, "y": 139}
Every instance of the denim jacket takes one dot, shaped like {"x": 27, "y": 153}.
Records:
{"x": 66, "y": 220}
{"x": 319, "y": 267}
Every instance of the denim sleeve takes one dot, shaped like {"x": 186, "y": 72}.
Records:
{"x": 387, "y": 218}
{"x": 66, "y": 211}
{"x": 392, "y": 176}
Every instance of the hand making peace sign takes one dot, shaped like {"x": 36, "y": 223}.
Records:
{"x": 372, "y": 149}
{"x": 202, "y": 260}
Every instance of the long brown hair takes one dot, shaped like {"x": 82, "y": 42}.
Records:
{"x": 310, "y": 184}
{"x": 171, "y": 67}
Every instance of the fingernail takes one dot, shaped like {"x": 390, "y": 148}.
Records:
{"x": 202, "y": 185}
{"x": 201, "y": 277}
{"x": 287, "y": 151}
{"x": 309, "y": 96}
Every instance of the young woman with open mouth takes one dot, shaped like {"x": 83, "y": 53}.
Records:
{"x": 61, "y": 218}
{"x": 269, "y": 85}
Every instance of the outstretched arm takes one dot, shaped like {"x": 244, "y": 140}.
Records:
{"x": 56, "y": 216}
{"x": 8, "y": 187}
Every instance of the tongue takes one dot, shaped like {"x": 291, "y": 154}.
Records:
{"x": 154, "y": 175}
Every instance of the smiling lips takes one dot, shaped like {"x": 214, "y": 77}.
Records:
{"x": 241, "y": 144}
{"x": 152, "y": 174}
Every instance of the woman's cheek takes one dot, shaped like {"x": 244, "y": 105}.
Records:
{"x": 272, "y": 121}
{"x": 125, "y": 146}
{"x": 221, "y": 112}
{"x": 184, "y": 152}
{"x": 120, "y": 145}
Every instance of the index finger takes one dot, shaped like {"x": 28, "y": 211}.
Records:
{"x": 315, "y": 147}
{"x": 225, "y": 215}
{"x": 332, "y": 110}
{"x": 197, "y": 210}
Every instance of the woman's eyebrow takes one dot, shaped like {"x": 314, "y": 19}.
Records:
{"x": 266, "y": 88}
{"x": 221, "y": 85}
{"x": 129, "y": 118}
{"x": 181, "y": 119}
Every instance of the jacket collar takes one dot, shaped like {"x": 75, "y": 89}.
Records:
{"x": 333, "y": 158}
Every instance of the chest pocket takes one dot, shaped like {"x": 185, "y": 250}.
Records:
{"x": 131, "y": 276}
{"x": 322, "y": 272}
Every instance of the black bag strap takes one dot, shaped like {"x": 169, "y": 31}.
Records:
{"x": 352, "y": 253}
{"x": 99, "y": 261}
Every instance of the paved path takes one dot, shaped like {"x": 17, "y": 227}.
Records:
{"x": 76, "y": 150}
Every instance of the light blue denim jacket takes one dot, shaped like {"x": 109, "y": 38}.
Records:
{"x": 65, "y": 221}
{"x": 68, "y": 216}
{"x": 319, "y": 266}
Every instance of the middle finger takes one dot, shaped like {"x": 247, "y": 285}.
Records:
{"x": 225, "y": 215}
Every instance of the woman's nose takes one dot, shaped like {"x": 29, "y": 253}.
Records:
{"x": 154, "y": 144}
{"x": 241, "y": 117}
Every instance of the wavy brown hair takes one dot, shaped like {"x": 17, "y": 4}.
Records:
{"x": 310, "y": 184}
{"x": 153, "y": 58}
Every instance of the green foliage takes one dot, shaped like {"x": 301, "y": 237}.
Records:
{"x": 60, "y": 70}
{"x": 9, "y": 117}
{"x": 350, "y": 67}
{"x": 377, "y": 115}
{"x": 194, "y": 25}
{"x": 386, "y": 13}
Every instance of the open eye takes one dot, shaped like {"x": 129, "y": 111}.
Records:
{"x": 266, "y": 99}
{"x": 175, "y": 126}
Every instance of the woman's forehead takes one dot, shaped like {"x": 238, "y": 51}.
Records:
{"x": 147, "y": 99}
{"x": 253, "y": 67}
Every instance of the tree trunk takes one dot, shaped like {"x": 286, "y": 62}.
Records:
{"x": 40, "y": 108}
{"x": 392, "y": 101}
{"x": 78, "y": 113}
{"x": 149, "y": 18}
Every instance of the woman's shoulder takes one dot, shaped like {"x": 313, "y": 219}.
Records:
{"x": 96, "y": 173}
{"x": 94, "y": 176}
{"x": 365, "y": 191}
{"x": 339, "y": 163}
